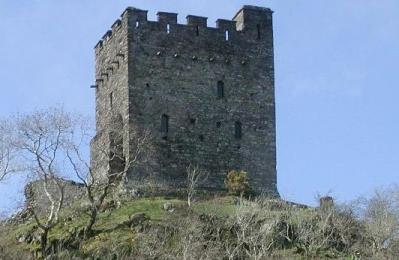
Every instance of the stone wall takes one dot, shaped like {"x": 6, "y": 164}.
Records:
{"x": 36, "y": 197}
{"x": 111, "y": 93}
{"x": 173, "y": 70}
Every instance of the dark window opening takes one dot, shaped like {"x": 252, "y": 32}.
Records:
{"x": 147, "y": 85}
{"x": 150, "y": 98}
{"x": 111, "y": 99}
{"x": 197, "y": 30}
{"x": 238, "y": 130}
{"x": 218, "y": 124}
{"x": 193, "y": 121}
{"x": 164, "y": 125}
{"x": 220, "y": 89}
{"x": 258, "y": 29}
{"x": 201, "y": 137}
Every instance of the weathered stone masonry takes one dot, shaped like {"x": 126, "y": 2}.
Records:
{"x": 205, "y": 94}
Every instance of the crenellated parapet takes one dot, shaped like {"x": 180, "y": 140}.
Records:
{"x": 247, "y": 25}
{"x": 250, "y": 27}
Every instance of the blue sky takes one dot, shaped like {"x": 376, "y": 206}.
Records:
{"x": 337, "y": 80}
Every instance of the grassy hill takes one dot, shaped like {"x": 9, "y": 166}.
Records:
{"x": 218, "y": 228}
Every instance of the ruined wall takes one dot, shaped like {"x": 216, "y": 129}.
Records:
{"x": 174, "y": 70}
{"x": 36, "y": 197}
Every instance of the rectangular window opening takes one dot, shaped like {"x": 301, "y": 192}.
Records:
{"x": 168, "y": 28}
{"x": 238, "y": 130}
{"x": 111, "y": 99}
{"x": 220, "y": 90}
{"x": 164, "y": 124}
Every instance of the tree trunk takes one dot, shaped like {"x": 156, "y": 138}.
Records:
{"x": 189, "y": 201}
{"x": 92, "y": 221}
{"x": 43, "y": 242}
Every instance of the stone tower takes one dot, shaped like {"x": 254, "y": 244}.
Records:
{"x": 205, "y": 94}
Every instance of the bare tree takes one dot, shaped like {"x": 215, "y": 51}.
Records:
{"x": 7, "y": 153}
{"x": 97, "y": 186}
{"x": 38, "y": 138}
{"x": 253, "y": 238}
{"x": 192, "y": 240}
{"x": 195, "y": 176}
{"x": 380, "y": 214}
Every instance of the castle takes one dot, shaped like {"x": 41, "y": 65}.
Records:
{"x": 205, "y": 94}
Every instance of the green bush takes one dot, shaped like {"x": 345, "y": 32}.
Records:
{"x": 237, "y": 183}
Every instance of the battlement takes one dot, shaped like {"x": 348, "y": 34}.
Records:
{"x": 255, "y": 8}
{"x": 193, "y": 20}
{"x": 167, "y": 18}
{"x": 247, "y": 25}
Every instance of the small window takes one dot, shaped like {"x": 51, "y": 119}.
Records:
{"x": 137, "y": 24}
{"x": 220, "y": 90}
{"x": 227, "y": 35}
{"x": 218, "y": 124}
{"x": 168, "y": 28}
{"x": 193, "y": 121}
{"x": 197, "y": 30}
{"x": 111, "y": 99}
{"x": 238, "y": 130}
{"x": 164, "y": 124}
{"x": 258, "y": 30}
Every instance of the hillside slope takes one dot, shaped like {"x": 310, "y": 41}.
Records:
{"x": 218, "y": 228}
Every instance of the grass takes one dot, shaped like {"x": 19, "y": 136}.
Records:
{"x": 118, "y": 240}
{"x": 111, "y": 236}
{"x": 153, "y": 208}
{"x": 221, "y": 207}
{"x": 109, "y": 232}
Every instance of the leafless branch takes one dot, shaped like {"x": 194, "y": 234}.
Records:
{"x": 38, "y": 139}
{"x": 97, "y": 186}
{"x": 7, "y": 153}
{"x": 195, "y": 176}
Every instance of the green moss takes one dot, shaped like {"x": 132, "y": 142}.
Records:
{"x": 153, "y": 208}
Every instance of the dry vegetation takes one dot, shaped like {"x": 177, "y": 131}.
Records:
{"x": 220, "y": 228}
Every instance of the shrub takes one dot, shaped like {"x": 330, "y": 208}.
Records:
{"x": 237, "y": 183}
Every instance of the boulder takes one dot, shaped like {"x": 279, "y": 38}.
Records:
{"x": 135, "y": 220}
{"x": 168, "y": 206}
